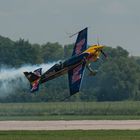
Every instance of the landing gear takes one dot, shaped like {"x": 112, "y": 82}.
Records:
{"x": 92, "y": 72}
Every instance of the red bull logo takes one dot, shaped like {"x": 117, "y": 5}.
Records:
{"x": 35, "y": 85}
{"x": 76, "y": 74}
{"x": 79, "y": 46}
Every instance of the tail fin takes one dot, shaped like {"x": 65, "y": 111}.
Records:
{"x": 34, "y": 79}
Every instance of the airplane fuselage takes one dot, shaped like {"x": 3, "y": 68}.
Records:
{"x": 90, "y": 55}
{"x": 63, "y": 67}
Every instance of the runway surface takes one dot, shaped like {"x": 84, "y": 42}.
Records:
{"x": 71, "y": 125}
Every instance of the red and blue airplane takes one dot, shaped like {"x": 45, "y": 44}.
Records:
{"x": 81, "y": 58}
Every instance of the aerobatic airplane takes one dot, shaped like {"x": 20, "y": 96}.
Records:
{"x": 81, "y": 58}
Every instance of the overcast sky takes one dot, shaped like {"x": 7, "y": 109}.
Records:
{"x": 115, "y": 22}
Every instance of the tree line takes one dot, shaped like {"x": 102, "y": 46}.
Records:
{"x": 118, "y": 76}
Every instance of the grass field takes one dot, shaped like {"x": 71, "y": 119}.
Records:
{"x": 70, "y": 111}
{"x": 70, "y": 135}
{"x": 71, "y": 117}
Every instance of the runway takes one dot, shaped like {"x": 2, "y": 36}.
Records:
{"x": 71, "y": 125}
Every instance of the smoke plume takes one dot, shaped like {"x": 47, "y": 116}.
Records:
{"x": 13, "y": 79}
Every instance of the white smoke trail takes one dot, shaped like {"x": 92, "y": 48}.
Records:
{"x": 12, "y": 79}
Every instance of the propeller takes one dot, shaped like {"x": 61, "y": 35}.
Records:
{"x": 98, "y": 41}
{"x": 104, "y": 54}
{"x": 101, "y": 50}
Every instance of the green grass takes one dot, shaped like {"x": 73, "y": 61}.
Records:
{"x": 71, "y": 117}
{"x": 70, "y": 111}
{"x": 71, "y": 135}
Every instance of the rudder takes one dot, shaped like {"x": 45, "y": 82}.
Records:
{"x": 34, "y": 78}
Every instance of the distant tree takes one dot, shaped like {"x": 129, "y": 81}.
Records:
{"x": 6, "y": 50}
{"x": 118, "y": 78}
{"x": 68, "y": 50}
{"x": 25, "y": 53}
{"x": 52, "y": 52}
{"x": 116, "y": 52}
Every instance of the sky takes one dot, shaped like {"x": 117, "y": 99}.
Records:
{"x": 114, "y": 22}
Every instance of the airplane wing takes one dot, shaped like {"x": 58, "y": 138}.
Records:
{"x": 81, "y": 42}
{"x": 75, "y": 76}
